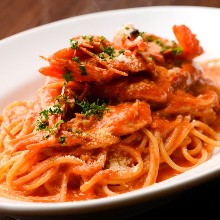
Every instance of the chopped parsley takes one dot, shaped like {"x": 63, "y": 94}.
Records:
{"x": 96, "y": 108}
{"x": 157, "y": 41}
{"x": 121, "y": 51}
{"x": 81, "y": 66}
{"x": 56, "y": 109}
{"x": 78, "y": 131}
{"x": 43, "y": 120}
{"x": 44, "y": 115}
{"x": 74, "y": 44}
{"x": 54, "y": 129}
{"x": 177, "y": 50}
{"x": 41, "y": 125}
{"x": 102, "y": 38}
{"x": 109, "y": 51}
{"x": 83, "y": 70}
{"x": 90, "y": 38}
{"x": 76, "y": 59}
{"x": 150, "y": 38}
{"x": 62, "y": 140}
{"x": 68, "y": 76}
{"x": 142, "y": 33}
{"x": 102, "y": 56}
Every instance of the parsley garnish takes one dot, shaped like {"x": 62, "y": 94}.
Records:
{"x": 74, "y": 44}
{"x": 62, "y": 140}
{"x": 81, "y": 66}
{"x": 90, "y": 38}
{"x": 83, "y": 70}
{"x": 44, "y": 114}
{"x": 41, "y": 125}
{"x": 78, "y": 131}
{"x": 149, "y": 38}
{"x": 109, "y": 50}
{"x": 54, "y": 129}
{"x": 102, "y": 38}
{"x": 56, "y": 109}
{"x": 43, "y": 122}
{"x": 157, "y": 41}
{"x": 177, "y": 50}
{"x": 121, "y": 51}
{"x": 94, "y": 108}
{"x": 141, "y": 33}
{"x": 76, "y": 59}
{"x": 102, "y": 56}
{"x": 68, "y": 76}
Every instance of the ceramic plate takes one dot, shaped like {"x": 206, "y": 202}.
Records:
{"x": 19, "y": 79}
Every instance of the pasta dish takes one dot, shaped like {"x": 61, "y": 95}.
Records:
{"x": 112, "y": 117}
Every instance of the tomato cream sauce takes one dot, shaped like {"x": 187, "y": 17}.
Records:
{"x": 211, "y": 69}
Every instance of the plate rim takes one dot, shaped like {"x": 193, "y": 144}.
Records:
{"x": 103, "y": 203}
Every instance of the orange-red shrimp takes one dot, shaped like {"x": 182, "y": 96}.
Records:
{"x": 185, "y": 76}
{"x": 129, "y": 38}
{"x": 137, "y": 87}
{"x": 188, "y": 41}
{"x": 201, "y": 106}
{"x": 119, "y": 120}
{"x": 94, "y": 60}
{"x": 149, "y": 46}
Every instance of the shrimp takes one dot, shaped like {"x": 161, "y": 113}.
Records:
{"x": 96, "y": 59}
{"x": 202, "y": 106}
{"x": 188, "y": 41}
{"x": 93, "y": 59}
{"x": 120, "y": 120}
{"x": 150, "y": 45}
{"x": 128, "y": 37}
{"x": 136, "y": 87}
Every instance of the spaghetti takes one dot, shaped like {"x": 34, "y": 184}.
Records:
{"x": 112, "y": 117}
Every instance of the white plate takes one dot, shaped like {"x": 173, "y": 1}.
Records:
{"x": 19, "y": 79}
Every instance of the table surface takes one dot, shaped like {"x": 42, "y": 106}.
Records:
{"x": 19, "y": 15}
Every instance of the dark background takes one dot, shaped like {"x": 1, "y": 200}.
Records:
{"x": 199, "y": 202}
{"x": 19, "y": 15}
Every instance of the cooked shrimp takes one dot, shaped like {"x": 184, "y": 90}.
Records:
{"x": 152, "y": 46}
{"x": 202, "y": 106}
{"x": 94, "y": 61}
{"x": 137, "y": 87}
{"x": 188, "y": 41}
{"x": 185, "y": 76}
{"x": 120, "y": 120}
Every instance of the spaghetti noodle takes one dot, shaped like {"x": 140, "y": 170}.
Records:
{"x": 112, "y": 117}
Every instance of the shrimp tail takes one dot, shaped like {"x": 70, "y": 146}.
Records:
{"x": 188, "y": 41}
